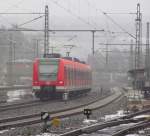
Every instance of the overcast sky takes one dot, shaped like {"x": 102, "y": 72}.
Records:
{"x": 89, "y": 10}
{"x": 74, "y": 14}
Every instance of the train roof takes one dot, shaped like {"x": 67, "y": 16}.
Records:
{"x": 58, "y": 56}
{"x": 64, "y": 59}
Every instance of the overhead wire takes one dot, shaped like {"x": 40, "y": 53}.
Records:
{"x": 72, "y": 13}
{"x": 75, "y": 15}
{"x": 119, "y": 25}
{"x": 105, "y": 14}
{"x": 30, "y": 21}
{"x": 89, "y": 11}
{"x": 15, "y": 5}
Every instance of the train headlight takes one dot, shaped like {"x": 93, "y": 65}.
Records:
{"x": 36, "y": 87}
{"x": 61, "y": 82}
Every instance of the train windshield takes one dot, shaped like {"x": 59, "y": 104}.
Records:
{"x": 48, "y": 70}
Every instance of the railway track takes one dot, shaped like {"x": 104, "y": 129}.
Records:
{"x": 35, "y": 118}
{"x": 6, "y": 88}
{"x": 96, "y": 127}
{"x": 100, "y": 126}
{"x": 14, "y": 106}
{"x": 21, "y": 105}
{"x": 131, "y": 129}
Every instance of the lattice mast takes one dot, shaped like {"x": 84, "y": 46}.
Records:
{"x": 147, "y": 56}
{"x": 138, "y": 49}
{"x": 131, "y": 57}
{"x": 46, "y": 32}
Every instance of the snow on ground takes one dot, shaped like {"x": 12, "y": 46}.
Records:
{"x": 119, "y": 113}
{"x": 47, "y": 134}
{"x": 15, "y": 95}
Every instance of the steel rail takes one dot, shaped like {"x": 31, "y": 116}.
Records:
{"x": 133, "y": 128}
{"x": 19, "y": 105}
{"x": 37, "y": 102}
{"x": 52, "y": 112}
{"x": 4, "y": 88}
{"x": 35, "y": 118}
{"x": 114, "y": 122}
{"x": 136, "y": 114}
{"x": 99, "y": 126}
{"x": 96, "y": 127}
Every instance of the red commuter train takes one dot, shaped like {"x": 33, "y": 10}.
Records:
{"x": 54, "y": 77}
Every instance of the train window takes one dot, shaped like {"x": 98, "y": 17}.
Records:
{"x": 68, "y": 75}
{"x": 75, "y": 75}
{"x": 72, "y": 76}
{"x": 48, "y": 71}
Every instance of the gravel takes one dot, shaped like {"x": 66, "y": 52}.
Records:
{"x": 52, "y": 105}
{"x": 69, "y": 123}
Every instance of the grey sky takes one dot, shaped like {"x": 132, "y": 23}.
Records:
{"x": 87, "y": 9}
{"x": 77, "y": 14}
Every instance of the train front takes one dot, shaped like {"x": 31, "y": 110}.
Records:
{"x": 45, "y": 75}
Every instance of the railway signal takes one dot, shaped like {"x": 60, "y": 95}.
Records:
{"x": 87, "y": 113}
{"x": 45, "y": 117}
{"x": 65, "y": 96}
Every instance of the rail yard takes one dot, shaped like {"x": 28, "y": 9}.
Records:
{"x": 74, "y": 68}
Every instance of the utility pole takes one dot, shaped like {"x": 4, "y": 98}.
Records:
{"x": 46, "y": 32}
{"x": 93, "y": 41}
{"x": 107, "y": 54}
{"x": 147, "y": 56}
{"x": 138, "y": 38}
{"x": 131, "y": 60}
{"x": 36, "y": 47}
{"x": 138, "y": 48}
{"x": 67, "y": 54}
{"x": 52, "y": 49}
{"x": 10, "y": 61}
{"x": 14, "y": 47}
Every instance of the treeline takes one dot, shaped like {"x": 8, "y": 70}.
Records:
{"x": 22, "y": 47}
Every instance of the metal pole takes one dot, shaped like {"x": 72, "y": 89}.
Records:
{"x": 131, "y": 56}
{"x": 14, "y": 52}
{"x": 52, "y": 49}
{"x": 147, "y": 56}
{"x": 138, "y": 38}
{"x": 93, "y": 40}
{"x": 46, "y": 31}
{"x": 106, "y": 54}
{"x": 10, "y": 62}
{"x": 138, "y": 45}
{"x": 67, "y": 54}
{"x": 37, "y": 48}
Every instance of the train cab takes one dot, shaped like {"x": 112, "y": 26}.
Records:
{"x": 54, "y": 77}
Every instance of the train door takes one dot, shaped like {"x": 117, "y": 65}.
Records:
{"x": 71, "y": 77}
{"x": 65, "y": 78}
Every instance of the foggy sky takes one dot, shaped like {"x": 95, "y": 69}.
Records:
{"x": 90, "y": 10}
{"x": 66, "y": 13}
